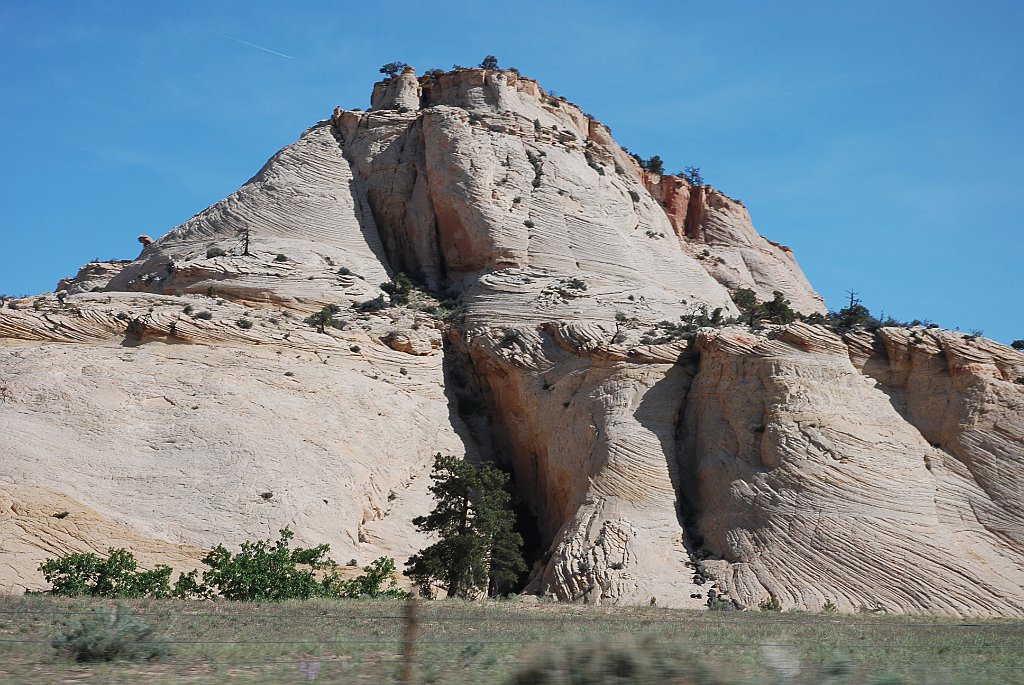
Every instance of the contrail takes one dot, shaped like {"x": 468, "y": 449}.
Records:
{"x": 252, "y": 45}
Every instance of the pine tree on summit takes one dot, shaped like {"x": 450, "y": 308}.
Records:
{"x": 478, "y": 547}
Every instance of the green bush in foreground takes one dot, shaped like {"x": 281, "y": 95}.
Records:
{"x": 86, "y": 574}
{"x": 265, "y": 571}
{"x": 107, "y": 635}
{"x": 261, "y": 571}
{"x": 647, "y": 661}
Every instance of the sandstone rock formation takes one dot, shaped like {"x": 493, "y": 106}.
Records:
{"x": 185, "y": 402}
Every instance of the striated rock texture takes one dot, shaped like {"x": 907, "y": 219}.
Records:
{"x": 180, "y": 400}
{"x": 801, "y": 467}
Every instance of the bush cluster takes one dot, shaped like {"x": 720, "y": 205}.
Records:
{"x": 86, "y": 574}
{"x": 403, "y": 291}
{"x": 109, "y": 634}
{"x": 669, "y": 331}
{"x": 647, "y": 660}
{"x": 324, "y": 318}
{"x": 260, "y": 571}
{"x": 398, "y": 290}
{"x": 776, "y": 310}
{"x": 654, "y": 164}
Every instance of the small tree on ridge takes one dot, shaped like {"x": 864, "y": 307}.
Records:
{"x": 393, "y": 69}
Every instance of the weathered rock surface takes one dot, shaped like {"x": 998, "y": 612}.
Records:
{"x": 94, "y": 276}
{"x": 717, "y": 230}
{"x": 188, "y": 404}
{"x": 801, "y": 467}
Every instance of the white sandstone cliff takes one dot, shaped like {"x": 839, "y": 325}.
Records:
{"x": 789, "y": 463}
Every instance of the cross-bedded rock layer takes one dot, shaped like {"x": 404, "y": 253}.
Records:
{"x": 187, "y": 404}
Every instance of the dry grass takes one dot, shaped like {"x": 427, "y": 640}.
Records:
{"x": 361, "y": 641}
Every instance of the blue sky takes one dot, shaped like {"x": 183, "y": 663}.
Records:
{"x": 881, "y": 140}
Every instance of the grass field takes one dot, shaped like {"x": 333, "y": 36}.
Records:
{"x": 358, "y": 641}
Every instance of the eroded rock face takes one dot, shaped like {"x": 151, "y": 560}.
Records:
{"x": 718, "y": 232}
{"x": 189, "y": 404}
{"x": 965, "y": 395}
{"x": 94, "y": 276}
{"x": 800, "y": 467}
{"x": 192, "y": 432}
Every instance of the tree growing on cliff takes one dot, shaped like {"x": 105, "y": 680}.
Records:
{"x": 478, "y": 548}
{"x": 324, "y": 318}
{"x": 654, "y": 165}
{"x": 692, "y": 176}
{"x": 489, "y": 62}
{"x": 393, "y": 69}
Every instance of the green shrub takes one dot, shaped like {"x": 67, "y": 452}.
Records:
{"x": 635, "y": 196}
{"x": 266, "y": 571}
{"x": 489, "y": 62}
{"x": 281, "y": 258}
{"x": 263, "y": 571}
{"x": 324, "y": 318}
{"x": 108, "y": 635}
{"x": 817, "y": 319}
{"x": 627, "y": 662}
{"x": 203, "y": 315}
{"x": 719, "y": 604}
{"x": 654, "y": 165}
{"x": 244, "y": 323}
{"x": 375, "y": 305}
{"x": 86, "y": 574}
{"x": 215, "y": 252}
{"x": 187, "y": 309}
{"x": 745, "y": 299}
{"x": 344, "y": 271}
{"x": 855, "y": 315}
{"x": 511, "y": 338}
{"x": 1017, "y": 344}
{"x": 528, "y": 223}
{"x": 378, "y": 580}
{"x": 770, "y": 603}
{"x": 575, "y": 283}
{"x": 777, "y": 310}
{"x": 398, "y": 289}
{"x": 829, "y": 607}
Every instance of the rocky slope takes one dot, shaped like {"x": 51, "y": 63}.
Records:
{"x": 178, "y": 400}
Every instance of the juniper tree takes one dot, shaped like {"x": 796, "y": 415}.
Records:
{"x": 478, "y": 548}
{"x": 692, "y": 176}
{"x": 324, "y": 318}
{"x": 392, "y": 69}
